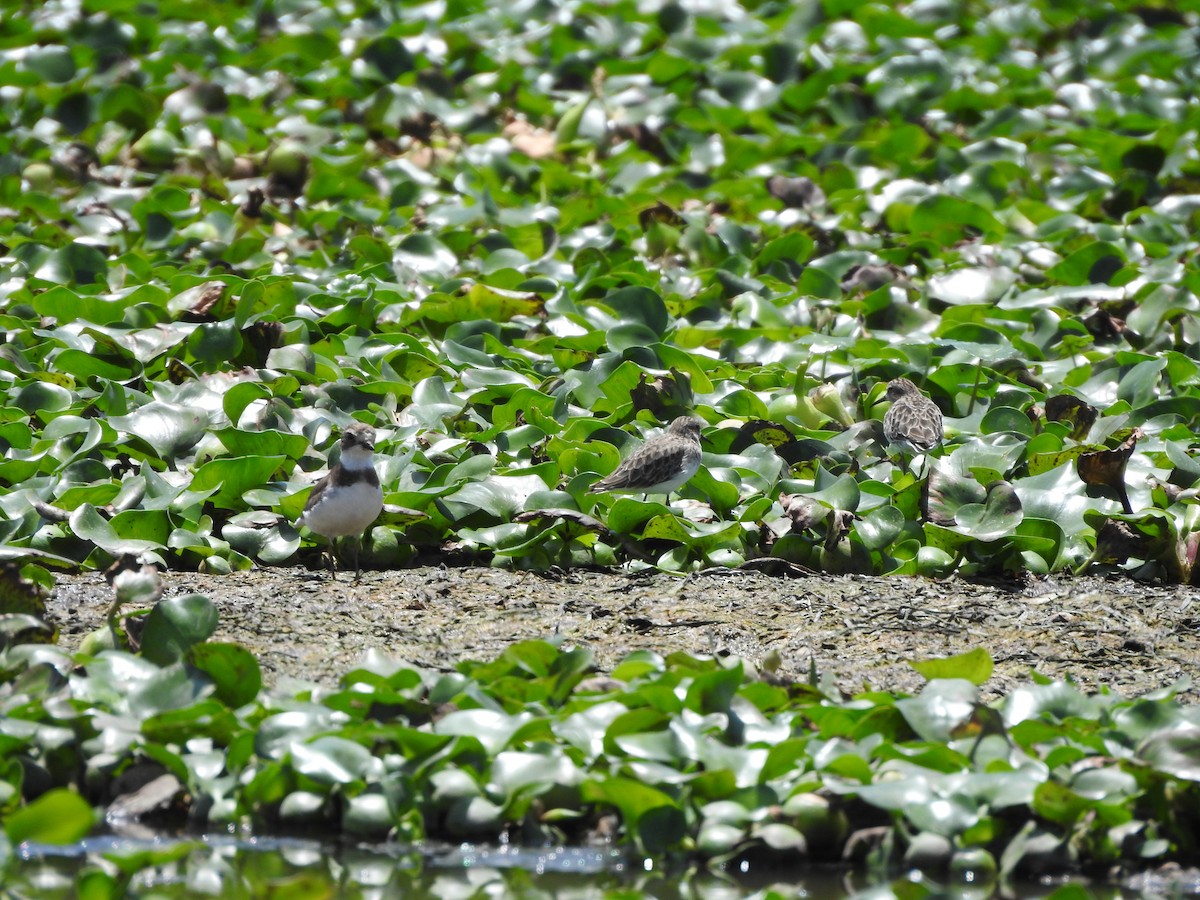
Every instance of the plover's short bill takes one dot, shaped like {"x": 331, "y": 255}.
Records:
{"x": 913, "y": 419}
{"x": 660, "y": 465}
{"x": 349, "y": 498}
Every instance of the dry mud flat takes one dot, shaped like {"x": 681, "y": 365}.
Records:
{"x": 1118, "y": 633}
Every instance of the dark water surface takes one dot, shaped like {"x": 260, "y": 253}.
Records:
{"x": 228, "y": 867}
{"x": 299, "y": 869}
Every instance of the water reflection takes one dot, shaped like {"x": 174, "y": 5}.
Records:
{"x": 297, "y": 869}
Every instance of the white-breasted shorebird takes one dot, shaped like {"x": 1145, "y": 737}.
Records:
{"x": 347, "y": 500}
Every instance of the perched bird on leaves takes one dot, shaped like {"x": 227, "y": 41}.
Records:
{"x": 349, "y": 498}
{"x": 660, "y": 465}
{"x": 913, "y": 419}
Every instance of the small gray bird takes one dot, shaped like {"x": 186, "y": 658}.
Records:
{"x": 913, "y": 420}
{"x": 660, "y": 465}
{"x": 349, "y": 498}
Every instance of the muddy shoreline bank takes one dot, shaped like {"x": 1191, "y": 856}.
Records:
{"x": 859, "y": 631}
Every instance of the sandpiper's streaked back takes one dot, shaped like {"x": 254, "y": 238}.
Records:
{"x": 348, "y": 499}
{"x": 913, "y": 419}
{"x": 660, "y": 465}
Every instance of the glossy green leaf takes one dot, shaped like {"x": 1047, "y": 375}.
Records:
{"x": 175, "y": 624}
{"x": 59, "y": 816}
{"x": 233, "y": 669}
{"x": 1176, "y": 752}
{"x": 974, "y": 666}
{"x": 942, "y": 707}
{"x": 330, "y": 760}
{"x": 168, "y": 428}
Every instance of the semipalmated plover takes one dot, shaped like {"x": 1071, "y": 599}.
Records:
{"x": 348, "y": 499}
{"x": 913, "y": 420}
{"x": 660, "y": 465}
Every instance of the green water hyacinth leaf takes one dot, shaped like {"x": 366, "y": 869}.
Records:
{"x": 368, "y": 815}
{"x": 473, "y": 816}
{"x": 233, "y": 669}
{"x": 880, "y": 527}
{"x": 659, "y": 746}
{"x": 84, "y": 365}
{"x": 168, "y": 428}
{"x": 1139, "y": 386}
{"x": 53, "y": 63}
{"x": 1057, "y": 495}
{"x": 275, "y": 735}
{"x": 627, "y": 515}
{"x": 479, "y": 301}
{"x": 59, "y": 816}
{"x": 74, "y": 264}
{"x": 425, "y": 255}
{"x": 629, "y": 336}
{"x": 1094, "y": 263}
{"x": 841, "y": 492}
{"x": 1041, "y": 543}
{"x": 151, "y": 525}
{"x": 942, "y": 707}
{"x": 1058, "y": 803}
{"x": 42, "y": 399}
{"x": 1054, "y": 701}
{"x": 1110, "y": 784}
{"x": 89, "y": 525}
{"x": 513, "y": 771}
{"x": 262, "y": 443}
{"x": 493, "y": 729}
{"x": 302, "y": 807}
{"x": 948, "y": 219}
{"x": 432, "y": 402}
{"x": 501, "y": 496}
{"x": 653, "y": 819}
{"x": 330, "y": 760}
{"x": 974, "y": 666}
{"x": 260, "y": 535}
{"x": 717, "y": 839}
{"x": 167, "y": 689}
{"x": 1006, "y": 419}
{"x": 228, "y": 479}
{"x": 639, "y": 305}
{"x": 700, "y": 535}
{"x": 175, "y": 625}
{"x": 945, "y": 816}
{"x": 714, "y": 691}
{"x": 1176, "y": 752}
{"x": 998, "y": 516}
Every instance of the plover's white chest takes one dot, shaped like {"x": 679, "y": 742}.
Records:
{"x": 343, "y": 509}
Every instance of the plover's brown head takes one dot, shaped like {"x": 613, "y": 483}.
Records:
{"x": 358, "y": 434}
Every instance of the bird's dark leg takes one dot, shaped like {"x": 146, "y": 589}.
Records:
{"x": 357, "y": 552}
{"x": 332, "y": 559}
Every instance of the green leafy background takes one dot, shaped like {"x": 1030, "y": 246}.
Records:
{"x": 518, "y": 250}
{"x": 678, "y": 759}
